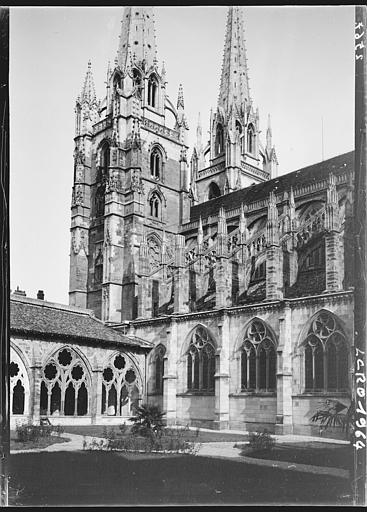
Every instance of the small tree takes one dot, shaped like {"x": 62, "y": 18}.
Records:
{"x": 147, "y": 421}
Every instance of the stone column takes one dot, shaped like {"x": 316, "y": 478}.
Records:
{"x": 284, "y": 417}
{"x": 222, "y": 377}
{"x": 35, "y": 392}
{"x": 96, "y": 396}
{"x": 170, "y": 374}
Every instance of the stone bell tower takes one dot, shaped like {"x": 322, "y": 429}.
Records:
{"x": 237, "y": 157}
{"x": 133, "y": 181}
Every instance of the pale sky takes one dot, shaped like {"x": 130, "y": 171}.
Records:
{"x": 301, "y": 69}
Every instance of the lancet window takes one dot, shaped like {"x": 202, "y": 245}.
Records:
{"x": 325, "y": 355}
{"x": 98, "y": 268}
{"x": 219, "y": 140}
{"x": 152, "y": 92}
{"x": 251, "y": 139}
{"x": 120, "y": 387}
{"x": 156, "y": 163}
{"x": 258, "y": 359}
{"x": 65, "y": 385}
{"x": 155, "y": 206}
{"x": 19, "y": 385}
{"x": 201, "y": 361}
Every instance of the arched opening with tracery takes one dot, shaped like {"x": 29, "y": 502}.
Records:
{"x": 155, "y": 207}
{"x": 201, "y": 361}
{"x": 19, "y": 385}
{"x": 65, "y": 385}
{"x": 258, "y": 358}
{"x": 152, "y": 92}
{"x": 121, "y": 387}
{"x": 326, "y": 355}
{"x": 156, "y": 161}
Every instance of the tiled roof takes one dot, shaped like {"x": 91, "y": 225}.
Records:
{"x": 306, "y": 175}
{"x": 46, "y": 319}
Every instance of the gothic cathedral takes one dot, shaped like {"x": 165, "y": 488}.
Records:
{"x": 225, "y": 289}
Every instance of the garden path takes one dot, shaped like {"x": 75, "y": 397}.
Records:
{"x": 222, "y": 449}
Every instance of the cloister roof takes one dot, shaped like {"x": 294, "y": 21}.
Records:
{"x": 50, "y": 320}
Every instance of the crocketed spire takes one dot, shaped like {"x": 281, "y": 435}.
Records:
{"x": 234, "y": 85}
{"x": 137, "y": 39}
{"x": 88, "y": 93}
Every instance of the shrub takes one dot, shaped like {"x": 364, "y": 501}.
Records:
{"x": 31, "y": 433}
{"x": 259, "y": 441}
{"x": 148, "y": 420}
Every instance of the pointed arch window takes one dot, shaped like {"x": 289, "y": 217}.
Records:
{"x": 201, "y": 361}
{"x": 156, "y": 163}
{"x": 19, "y": 385}
{"x": 100, "y": 200}
{"x": 65, "y": 385}
{"x": 325, "y": 353}
{"x": 258, "y": 359}
{"x": 159, "y": 368}
{"x": 152, "y": 91}
{"x": 155, "y": 206}
{"x": 214, "y": 191}
{"x": 251, "y": 139}
{"x": 120, "y": 387}
{"x": 105, "y": 159}
{"x": 219, "y": 140}
{"x": 98, "y": 268}
{"x": 137, "y": 82}
{"x": 117, "y": 82}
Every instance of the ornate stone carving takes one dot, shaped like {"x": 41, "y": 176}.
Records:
{"x": 154, "y": 253}
{"x": 136, "y": 182}
{"x": 113, "y": 183}
{"x": 78, "y": 196}
{"x": 79, "y": 240}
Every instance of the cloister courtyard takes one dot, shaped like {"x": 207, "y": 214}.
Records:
{"x": 77, "y": 470}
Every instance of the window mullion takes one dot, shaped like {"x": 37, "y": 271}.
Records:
{"x": 325, "y": 361}
{"x": 267, "y": 370}
{"x": 257, "y": 371}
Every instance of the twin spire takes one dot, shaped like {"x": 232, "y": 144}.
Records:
{"x": 137, "y": 40}
{"x": 234, "y": 84}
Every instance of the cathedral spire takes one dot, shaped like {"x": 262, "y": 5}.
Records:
{"x": 137, "y": 40}
{"x": 88, "y": 93}
{"x": 234, "y": 85}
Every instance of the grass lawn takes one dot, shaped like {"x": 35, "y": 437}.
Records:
{"x": 327, "y": 455}
{"x": 188, "y": 435}
{"x": 100, "y": 478}
{"x": 43, "y": 442}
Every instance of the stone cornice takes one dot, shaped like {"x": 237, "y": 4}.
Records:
{"x": 235, "y": 310}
